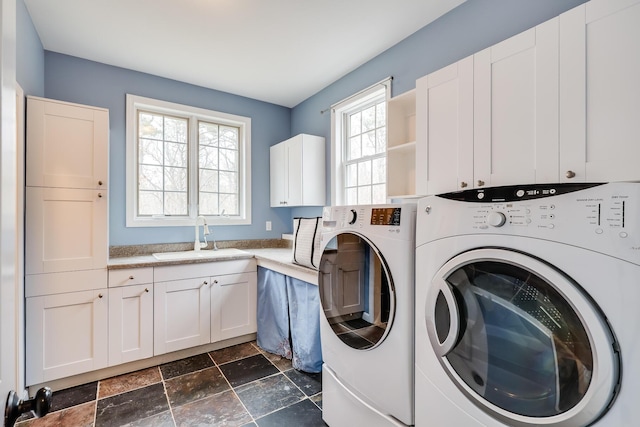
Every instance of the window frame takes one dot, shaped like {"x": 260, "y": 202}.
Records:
{"x": 194, "y": 115}
{"x": 339, "y": 140}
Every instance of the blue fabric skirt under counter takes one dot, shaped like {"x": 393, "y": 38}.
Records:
{"x": 289, "y": 319}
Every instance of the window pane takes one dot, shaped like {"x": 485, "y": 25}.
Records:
{"x": 150, "y": 203}
{"x": 364, "y": 173}
{"x": 379, "y": 194}
{"x": 355, "y": 148}
{"x": 354, "y": 124}
{"x": 352, "y": 175}
{"x": 364, "y": 195}
{"x": 175, "y": 204}
{"x": 229, "y": 137}
{"x": 381, "y": 114}
{"x": 150, "y": 177}
{"x": 229, "y": 203}
{"x": 150, "y": 152}
{"x": 369, "y": 118}
{"x": 208, "y": 157}
{"x": 209, "y": 204}
{"x": 175, "y": 154}
{"x": 175, "y": 179}
{"x": 228, "y": 160}
{"x": 175, "y": 129}
{"x": 228, "y": 182}
{"x": 351, "y": 196}
{"x": 379, "y": 170}
{"x": 208, "y": 134}
{"x": 369, "y": 143}
{"x": 381, "y": 140}
{"x": 208, "y": 180}
{"x": 150, "y": 125}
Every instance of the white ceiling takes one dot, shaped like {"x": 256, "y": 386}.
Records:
{"x": 278, "y": 51}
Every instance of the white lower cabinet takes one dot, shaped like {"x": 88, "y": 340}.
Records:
{"x": 66, "y": 334}
{"x": 214, "y": 302}
{"x": 233, "y": 305}
{"x": 130, "y": 315}
{"x": 181, "y": 314}
{"x": 75, "y": 324}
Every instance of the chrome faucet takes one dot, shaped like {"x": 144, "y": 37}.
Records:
{"x": 197, "y": 245}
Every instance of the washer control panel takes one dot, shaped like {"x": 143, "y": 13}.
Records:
{"x": 602, "y": 217}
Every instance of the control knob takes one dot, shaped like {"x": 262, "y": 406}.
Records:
{"x": 354, "y": 217}
{"x": 496, "y": 219}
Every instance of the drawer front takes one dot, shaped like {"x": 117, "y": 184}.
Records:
{"x": 130, "y": 276}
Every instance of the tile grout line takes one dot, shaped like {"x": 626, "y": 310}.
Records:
{"x": 253, "y": 420}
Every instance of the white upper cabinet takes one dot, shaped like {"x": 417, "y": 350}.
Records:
{"x": 599, "y": 126}
{"x": 297, "y": 171}
{"x": 515, "y": 133}
{"x": 491, "y": 118}
{"x": 67, "y": 145}
{"x": 444, "y": 111}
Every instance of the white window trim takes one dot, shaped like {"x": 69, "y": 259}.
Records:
{"x": 338, "y": 139}
{"x": 134, "y": 103}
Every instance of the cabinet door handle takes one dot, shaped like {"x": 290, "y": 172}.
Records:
{"x": 100, "y": 295}
{"x": 99, "y": 182}
{"x": 100, "y": 195}
{"x": 215, "y": 282}
{"x": 570, "y": 174}
{"x": 146, "y": 289}
{"x": 130, "y": 277}
{"x": 480, "y": 183}
{"x": 463, "y": 184}
{"x": 205, "y": 283}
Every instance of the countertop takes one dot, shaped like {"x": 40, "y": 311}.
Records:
{"x": 276, "y": 259}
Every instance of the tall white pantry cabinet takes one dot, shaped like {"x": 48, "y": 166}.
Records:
{"x": 65, "y": 239}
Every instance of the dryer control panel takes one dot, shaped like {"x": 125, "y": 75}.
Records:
{"x": 397, "y": 221}
{"x": 601, "y": 217}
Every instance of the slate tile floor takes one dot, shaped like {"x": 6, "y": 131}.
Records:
{"x": 236, "y": 386}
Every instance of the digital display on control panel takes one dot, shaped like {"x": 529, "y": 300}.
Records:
{"x": 385, "y": 216}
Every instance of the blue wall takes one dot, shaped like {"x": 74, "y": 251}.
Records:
{"x": 77, "y": 80}
{"x": 29, "y": 53}
{"x": 471, "y": 27}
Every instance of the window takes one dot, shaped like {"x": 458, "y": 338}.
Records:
{"x": 359, "y": 143}
{"x": 183, "y": 162}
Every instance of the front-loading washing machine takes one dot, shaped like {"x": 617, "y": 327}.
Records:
{"x": 366, "y": 284}
{"x": 527, "y": 306}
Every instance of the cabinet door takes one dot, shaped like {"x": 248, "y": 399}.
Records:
{"x": 130, "y": 323}
{"x": 181, "y": 313}
{"x": 444, "y": 149}
{"x": 600, "y": 127}
{"x": 295, "y": 175}
{"x": 516, "y": 109}
{"x": 297, "y": 172}
{"x": 66, "y": 334}
{"x": 67, "y": 145}
{"x": 278, "y": 175}
{"x": 65, "y": 230}
{"x": 233, "y": 305}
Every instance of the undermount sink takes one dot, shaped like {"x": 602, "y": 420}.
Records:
{"x": 209, "y": 254}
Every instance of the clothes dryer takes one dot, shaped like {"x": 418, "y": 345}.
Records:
{"x": 366, "y": 283}
{"x": 527, "y": 306}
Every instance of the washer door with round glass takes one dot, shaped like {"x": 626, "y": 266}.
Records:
{"x": 521, "y": 340}
{"x": 356, "y": 291}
